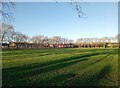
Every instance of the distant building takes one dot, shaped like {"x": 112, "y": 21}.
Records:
{"x": 23, "y": 45}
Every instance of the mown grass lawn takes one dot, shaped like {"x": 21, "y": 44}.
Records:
{"x": 60, "y": 67}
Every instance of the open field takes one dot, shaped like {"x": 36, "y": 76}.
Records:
{"x": 60, "y": 67}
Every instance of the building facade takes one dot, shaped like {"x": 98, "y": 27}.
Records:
{"x": 25, "y": 45}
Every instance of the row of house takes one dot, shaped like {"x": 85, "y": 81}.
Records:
{"x": 22, "y": 45}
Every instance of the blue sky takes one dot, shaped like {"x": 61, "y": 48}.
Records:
{"x": 59, "y": 19}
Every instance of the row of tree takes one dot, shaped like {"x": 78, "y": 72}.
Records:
{"x": 98, "y": 40}
{"x": 8, "y": 34}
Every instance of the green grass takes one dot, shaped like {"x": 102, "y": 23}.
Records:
{"x": 60, "y": 67}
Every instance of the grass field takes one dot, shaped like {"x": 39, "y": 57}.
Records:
{"x": 60, "y": 67}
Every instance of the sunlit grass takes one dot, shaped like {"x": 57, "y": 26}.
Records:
{"x": 60, "y": 67}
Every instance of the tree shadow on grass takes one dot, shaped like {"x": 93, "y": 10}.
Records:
{"x": 64, "y": 79}
{"x": 57, "y": 80}
{"x": 44, "y": 64}
{"x": 37, "y": 71}
{"x": 93, "y": 80}
{"x": 99, "y": 60}
{"x": 104, "y": 76}
{"x": 15, "y": 73}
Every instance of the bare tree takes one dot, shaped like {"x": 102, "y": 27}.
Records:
{"x": 76, "y": 6}
{"x": 64, "y": 40}
{"x": 19, "y": 37}
{"x": 117, "y": 37}
{"x": 6, "y": 16}
{"x": 70, "y": 41}
{"x": 56, "y": 39}
{"x": 6, "y": 32}
{"x": 45, "y": 40}
{"x": 37, "y": 39}
{"x": 7, "y": 10}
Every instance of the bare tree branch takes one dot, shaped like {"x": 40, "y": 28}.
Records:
{"x": 7, "y": 10}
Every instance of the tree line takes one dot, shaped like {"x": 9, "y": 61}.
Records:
{"x": 8, "y": 34}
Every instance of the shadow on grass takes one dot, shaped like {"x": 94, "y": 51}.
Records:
{"x": 57, "y": 80}
{"x": 64, "y": 79}
{"x": 103, "y": 72}
{"x": 93, "y": 80}
{"x": 10, "y": 75}
{"x": 99, "y": 60}
{"x": 40, "y": 65}
{"x": 36, "y": 71}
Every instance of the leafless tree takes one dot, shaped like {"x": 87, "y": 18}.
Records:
{"x": 19, "y": 37}
{"x": 99, "y": 41}
{"x": 6, "y": 16}
{"x": 37, "y": 39}
{"x": 7, "y": 9}
{"x": 64, "y": 40}
{"x": 56, "y": 39}
{"x": 117, "y": 37}
{"x": 70, "y": 41}
{"x": 76, "y": 6}
{"x": 6, "y": 32}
